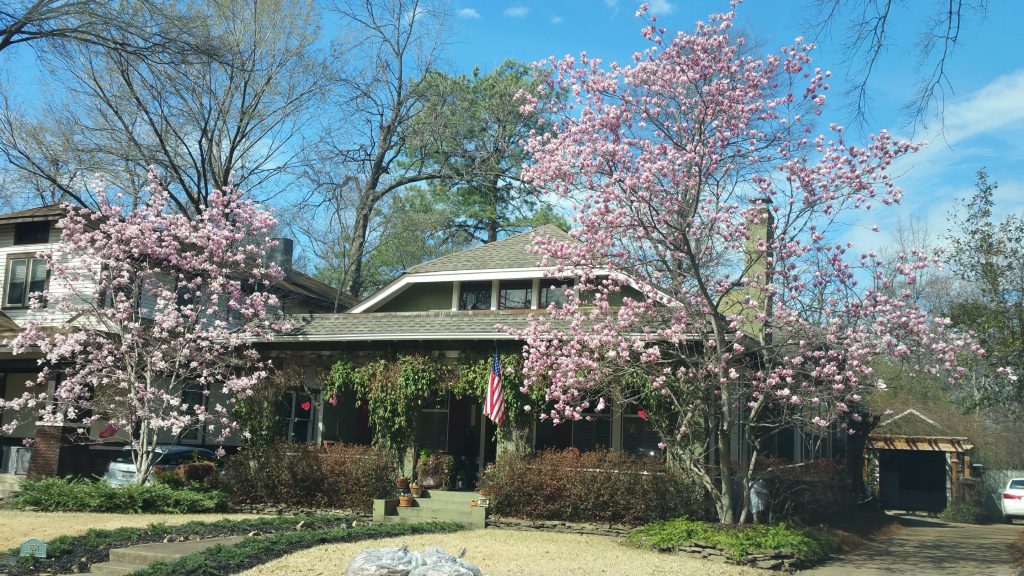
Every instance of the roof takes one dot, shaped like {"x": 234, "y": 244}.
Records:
{"x": 911, "y": 423}
{"x": 8, "y": 328}
{"x": 307, "y": 287}
{"x": 439, "y": 325}
{"x": 511, "y": 252}
{"x": 41, "y": 214}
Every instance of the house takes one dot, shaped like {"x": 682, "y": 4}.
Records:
{"x": 22, "y": 235}
{"x": 453, "y": 306}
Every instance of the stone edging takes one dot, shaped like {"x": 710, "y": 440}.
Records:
{"x": 770, "y": 560}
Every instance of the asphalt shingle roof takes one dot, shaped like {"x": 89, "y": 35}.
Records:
{"x": 406, "y": 325}
{"x": 508, "y": 253}
{"x": 40, "y": 214}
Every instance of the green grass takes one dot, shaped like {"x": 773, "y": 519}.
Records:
{"x": 737, "y": 542}
{"x": 253, "y": 551}
{"x": 76, "y": 553}
{"x": 81, "y": 495}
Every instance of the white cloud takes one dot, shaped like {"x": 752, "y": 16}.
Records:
{"x": 661, "y": 7}
{"x": 516, "y": 11}
{"x": 982, "y": 129}
{"x": 611, "y": 3}
{"x": 468, "y": 13}
{"x": 556, "y": 19}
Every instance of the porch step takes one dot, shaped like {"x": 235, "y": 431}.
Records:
{"x": 433, "y": 505}
{"x": 134, "y": 558}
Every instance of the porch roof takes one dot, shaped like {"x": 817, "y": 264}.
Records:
{"x": 437, "y": 325}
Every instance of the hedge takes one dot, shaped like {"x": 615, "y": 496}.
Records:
{"x": 603, "y": 486}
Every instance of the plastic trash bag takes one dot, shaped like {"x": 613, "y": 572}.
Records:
{"x": 437, "y": 556}
{"x": 441, "y": 570}
{"x": 384, "y": 562}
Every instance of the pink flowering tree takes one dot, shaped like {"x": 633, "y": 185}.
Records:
{"x": 709, "y": 288}
{"x": 148, "y": 318}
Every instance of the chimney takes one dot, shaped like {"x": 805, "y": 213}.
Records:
{"x": 282, "y": 254}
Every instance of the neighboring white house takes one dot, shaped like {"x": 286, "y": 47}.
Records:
{"x": 23, "y": 235}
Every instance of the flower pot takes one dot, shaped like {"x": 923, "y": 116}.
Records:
{"x": 416, "y": 490}
{"x": 402, "y": 484}
{"x": 406, "y": 500}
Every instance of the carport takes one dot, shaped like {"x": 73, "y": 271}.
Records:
{"x": 917, "y": 466}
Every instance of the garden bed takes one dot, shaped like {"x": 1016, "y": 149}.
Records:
{"x": 772, "y": 547}
{"x": 258, "y": 550}
{"x": 76, "y": 553}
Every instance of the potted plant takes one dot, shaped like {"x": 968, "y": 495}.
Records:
{"x": 416, "y": 489}
{"x": 406, "y": 500}
{"x": 402, "y": 483}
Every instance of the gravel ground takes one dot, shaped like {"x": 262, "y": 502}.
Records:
{"x": 512, "y": 553}
{"x": 17, "y": 526}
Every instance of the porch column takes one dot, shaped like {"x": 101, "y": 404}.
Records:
{"x": 954, "y": 474}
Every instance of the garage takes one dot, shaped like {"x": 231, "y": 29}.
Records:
{"x": 917, "y": 466}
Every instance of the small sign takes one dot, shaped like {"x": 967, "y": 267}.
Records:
{"x": 33, "y": 547}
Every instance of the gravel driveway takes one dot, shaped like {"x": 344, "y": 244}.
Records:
{"x": 17, "y": 526}
{"x": 930, "y": 547}
{"x": 513, "y": 553}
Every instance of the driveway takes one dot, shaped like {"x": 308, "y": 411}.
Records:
{"x": 928, "y": 546}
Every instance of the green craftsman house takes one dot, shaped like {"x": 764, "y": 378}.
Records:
{"x": 451, "y": 308}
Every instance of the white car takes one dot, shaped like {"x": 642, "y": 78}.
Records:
{"x": 121, "y": 471}
{"x": 1013, "y": 499}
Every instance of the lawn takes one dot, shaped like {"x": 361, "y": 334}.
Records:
{"x": 16, "y": 526}
{"x": 512, "y": 552}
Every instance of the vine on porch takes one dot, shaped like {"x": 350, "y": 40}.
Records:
{"x": 394, "y": 390}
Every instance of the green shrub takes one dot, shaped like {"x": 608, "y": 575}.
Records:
{"x": 964, "y": 514}
{"x": 339, "y": 476}
{"x": 606, "y": 486}
{"x": 81, "y": 495}
{"x": 736, "y": 541}
{"x": 67, "y": 554}
{"x": 258, "y": 550}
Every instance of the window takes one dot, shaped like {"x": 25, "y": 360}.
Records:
{"x": 475, "y": 296}
{"x": 553, "y": 291}
{"x": 296, "y": 411}
{"x": 432, "y": 428}
{"x": 638, "y": 436}
{"x": 25, "y": 275}
{"x": 512, "y": 295}
{"x": 582, "y": 434}
{"x": 31, "y": 233}
{"x": 191, "y": 397}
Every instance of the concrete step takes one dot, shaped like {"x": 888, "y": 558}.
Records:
{"x": 114, "y": 568}
{"x": 426, "y": 509}
{"x": 145, "y": 554}
{"x": 448, "y": 496}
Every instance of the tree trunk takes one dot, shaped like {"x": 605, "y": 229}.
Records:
{"x": 358, "y": 245}
{"x": 726, "y": 513}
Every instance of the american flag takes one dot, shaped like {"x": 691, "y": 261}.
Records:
{"x": 494, "y": 404}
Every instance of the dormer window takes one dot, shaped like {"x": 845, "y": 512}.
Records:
{"x": 475, "y": 296}
{"x": 553, "y": 291}
{"x": 513, "y": 295}
{"x": 31, "y": 233}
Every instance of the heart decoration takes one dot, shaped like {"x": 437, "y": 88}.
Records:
{"x": 306, "y": 405}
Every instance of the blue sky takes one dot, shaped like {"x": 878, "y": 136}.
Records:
{"x": 984, "y": 118}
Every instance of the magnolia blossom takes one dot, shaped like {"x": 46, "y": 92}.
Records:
{"x": 704, "y": 262}
{"x": 159, "y": 309}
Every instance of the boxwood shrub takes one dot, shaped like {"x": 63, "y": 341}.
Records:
{"x": 83, "y": 495}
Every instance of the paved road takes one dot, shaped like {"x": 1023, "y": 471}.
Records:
{"x": 927, "y": 546}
